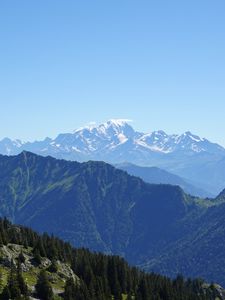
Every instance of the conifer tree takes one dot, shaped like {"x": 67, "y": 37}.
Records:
{"x": 37, "y": 256}
{"x": 69, "y": 290}
{"x": 21, "y": 257}
{"x": 20, "y": 281}
{"x": 43, "y": 287}
{"x": 12, "y": 283}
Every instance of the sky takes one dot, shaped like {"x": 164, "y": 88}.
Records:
{"x": 65, "y": 63}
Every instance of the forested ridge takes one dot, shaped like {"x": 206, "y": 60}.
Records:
{"x": 98, "y": 276}
{"x": 96, "y": 206}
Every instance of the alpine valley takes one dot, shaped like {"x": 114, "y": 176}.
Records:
{"x": 93, "y": 204}
{"x": 199, "y": 162}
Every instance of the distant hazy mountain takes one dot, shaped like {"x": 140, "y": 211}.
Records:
{"x": 187, "y": 155}
{"x": 95, "y": 205}
{"x": 159, "y": 176}
{"x": 201, "y": 244}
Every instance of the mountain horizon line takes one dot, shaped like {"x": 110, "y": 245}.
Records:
{"x": 113, "y": 121}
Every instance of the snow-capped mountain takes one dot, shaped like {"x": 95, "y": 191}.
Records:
{"x": 116, "y": 141}
{"x": 92, "y": 139}
{"x": 96, "y": 141}
{"x": 10, "y": 147}
{"x": 186, "y": 142}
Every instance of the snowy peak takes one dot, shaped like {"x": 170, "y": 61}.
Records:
{"x": 162, "y": 142}
{"x": 117, "y": 123}
{"x": 159, "y": 141}
{"x": 89, "y": 139}
{"x": 188, "y": 136}
{"x": 190, "y": 142}
{"x": 115, "y": 140}
{"x": 106, "y": 135}
{"x": 155, "y": 141}
{"x": 193, "y": 137}
{"x": 10, "y": 147}
{"x": 120, "y": 128}
{"x": 111, "y": 127}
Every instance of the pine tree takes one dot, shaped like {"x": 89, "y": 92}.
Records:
{"x": 21, "y": 257}
{"x": 75, "y": 291}
{"x": 43, "y": 287}
{"x": 12, "y": 284}
{"x": 20, "y": 280}
{"x": 143, "y": 290}
{"x": 37, "y": 256}
{"x": 69, "y": 289}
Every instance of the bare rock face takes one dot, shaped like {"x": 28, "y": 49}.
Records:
{"x": 65, "y": 271}
{"x": 220, "y": 290}
{"x": 45, "y": 262}
{"x": 9, "y": 254}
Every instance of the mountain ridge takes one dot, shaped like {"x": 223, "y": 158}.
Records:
{"x": 116, "y": 141}
{"x": 96, "y": 205}
{"x": 157, "y": 176}
{"x": 41, "y": 190}
{"x": 118, "y": 131}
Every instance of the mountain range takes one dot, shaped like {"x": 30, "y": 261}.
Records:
{"x": 160, "y": 176}
{"x": 195, "y": 159}
{"x": 95, "y": 205}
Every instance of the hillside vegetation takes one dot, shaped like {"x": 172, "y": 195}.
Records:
{"x": 94, "y": 205}
{"x": 45, "y": 267}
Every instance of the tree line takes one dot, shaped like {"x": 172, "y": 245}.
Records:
{"x": 101, "y": 277}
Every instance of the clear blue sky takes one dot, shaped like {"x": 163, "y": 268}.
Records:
{"x": 64, "y": 63}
